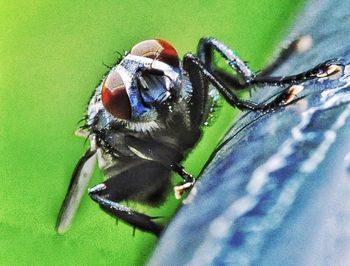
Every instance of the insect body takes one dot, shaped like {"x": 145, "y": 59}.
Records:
{"x": 147, "y": 113}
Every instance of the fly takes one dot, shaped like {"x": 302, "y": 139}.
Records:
{"x": 147, "y": 113}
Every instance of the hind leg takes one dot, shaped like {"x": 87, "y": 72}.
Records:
{"x": 146, "y": 183}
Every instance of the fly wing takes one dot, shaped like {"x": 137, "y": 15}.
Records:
{"x": 78, "y": 184}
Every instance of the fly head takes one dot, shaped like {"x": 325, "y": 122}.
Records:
{"x": 145, "y": 81}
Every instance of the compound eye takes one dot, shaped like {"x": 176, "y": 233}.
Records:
{"x": 157, "y": 49}
{"x": 114, "y": 96}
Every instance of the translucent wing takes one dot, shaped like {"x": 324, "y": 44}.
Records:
{"x": 77, "y": 187}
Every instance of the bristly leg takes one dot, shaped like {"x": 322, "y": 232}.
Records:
{"x": 202, "y": 65}
{"x": 141, "y": 181}
{"x": 299, "y": 45}
{"x": 187, "y": 183}
{"x": 193, "y": 66}
{"x": 136, "y": 219}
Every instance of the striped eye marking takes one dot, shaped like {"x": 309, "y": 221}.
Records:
{"x": 157, "y": 49}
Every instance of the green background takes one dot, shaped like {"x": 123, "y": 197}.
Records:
{"x": 52, "y": 55}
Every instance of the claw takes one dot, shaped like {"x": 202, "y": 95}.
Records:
{"x": 292, "y": 93}
{"x": 331, "y": 70}
{"x": 180, "y": 190}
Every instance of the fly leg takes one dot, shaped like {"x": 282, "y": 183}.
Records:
{"x": 205, "y": 52}
{"x": 207, "y": 45}
{"x": 117, "y": 210}
{"x": 197, "y": 70}
{"x": 165, "y": 156}
{"x": 146, "y": 182}
{"x": 203, "y": 67}
{"x": 188, "y": 180}
{"x": 298, "y": 45}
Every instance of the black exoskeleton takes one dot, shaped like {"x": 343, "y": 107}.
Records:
{"x": 147, "y": 113}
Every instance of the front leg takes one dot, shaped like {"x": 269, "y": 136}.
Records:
{"x": 187, "y": 183}
{"x": 207, "y": 46}
{"x": 298, "y": 45}
{"x": 196, "y": 68}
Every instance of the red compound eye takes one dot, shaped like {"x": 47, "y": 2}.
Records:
{"x": 157, "y": 49}
{"x": 114, "y": 96}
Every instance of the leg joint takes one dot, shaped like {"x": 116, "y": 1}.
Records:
{"x": 98, "y": 188}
